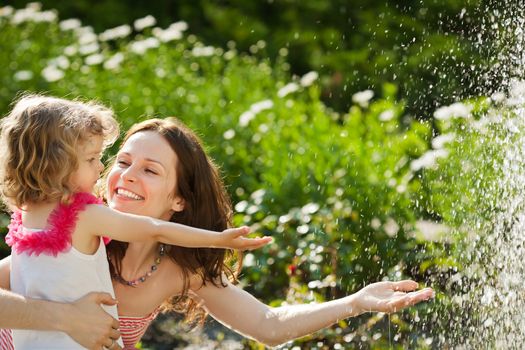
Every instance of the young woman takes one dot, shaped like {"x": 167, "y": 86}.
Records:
{"x": 159, "y": 159}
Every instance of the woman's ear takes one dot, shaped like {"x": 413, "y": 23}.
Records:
{"x": 178, "y": 204}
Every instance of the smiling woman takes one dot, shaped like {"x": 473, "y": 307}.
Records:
{"x": 162, "y": 170}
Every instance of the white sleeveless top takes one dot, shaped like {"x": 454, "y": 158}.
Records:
{"x": 64, "y": 278}
{"x": 45, "y": 265}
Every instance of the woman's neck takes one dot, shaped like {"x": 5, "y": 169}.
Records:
{"x": 139, "y": 257}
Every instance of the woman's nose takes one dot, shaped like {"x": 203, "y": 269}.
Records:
{"x": 129, "y": 174}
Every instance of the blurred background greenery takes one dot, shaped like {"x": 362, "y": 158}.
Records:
{"x": 323, "y": 116}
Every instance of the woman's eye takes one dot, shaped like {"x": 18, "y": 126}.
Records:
{"x": 151, "y": 171}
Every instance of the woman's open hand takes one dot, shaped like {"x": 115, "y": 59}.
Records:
{"x": 390, "y": 296}
{"x": 235, "y": 238}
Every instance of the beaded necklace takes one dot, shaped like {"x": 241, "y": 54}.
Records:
{"x": 142, "y": 279}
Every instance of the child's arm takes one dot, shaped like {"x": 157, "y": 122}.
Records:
{"x": 5, "y": 269}
{"x": 100, "y": 220}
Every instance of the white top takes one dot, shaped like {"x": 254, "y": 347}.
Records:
{"x": 64, "y": 278}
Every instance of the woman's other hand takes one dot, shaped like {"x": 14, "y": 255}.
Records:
{"x": 89, "y": 325}
{"x": 389, "y": 296}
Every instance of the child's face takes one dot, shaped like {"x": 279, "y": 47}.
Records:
{"x": 143, "y": 177}
{"x": 89, "y": 164}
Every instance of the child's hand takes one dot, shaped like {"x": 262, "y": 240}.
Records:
{"x": 390, "y": 296}
{"x": 233, "y": 238}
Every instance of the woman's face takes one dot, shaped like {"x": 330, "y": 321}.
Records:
{"x": 143, "y": 179}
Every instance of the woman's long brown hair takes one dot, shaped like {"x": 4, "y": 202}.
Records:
{"x": 207, "y": 206}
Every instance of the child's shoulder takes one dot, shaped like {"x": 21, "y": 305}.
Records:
{"x": 56, "y": 237}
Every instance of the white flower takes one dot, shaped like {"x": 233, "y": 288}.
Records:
{"x": 114, "y": 61}
{"x": 167, "y": 35}
{"x": 23, "y": 15}
{"x": 60, "y": 62}
{"x": 439, "y": 142}
{"x": 287, "y": 89}
{"x": 32, "y": 14}
{"x": 241, "y": 206}
{"x": 94, "y": 59}
{"x": 428, "y": 160}
{"x": 375, "y": 223}
{"x": 89, "y": 48}
{"x": 115, "y": 33}
{"x": 386, "y": 115}
{"x": 261, "y": 106}
{"x": 23, "y": 75}
{"x": 52, "y": 73}
{"x": 258, "y": 196}
{"x": 246, "y": 117}
{"x": 363, "y": 98}
{"x": 309, "y": 78}
{"x": 255, "y": 108}
{"x": 228, "y": 55}
{"x": 179, "y": 26}
{"x": 310, "y": 208}
{"x": 34, "y": 6}
{"x": 6, "y": 11}
{"x": 458, "y": 110}
{"x": 516, "y": 93}
{"x": 82, "y": 30}
{"x": 391, "y": 227}
{"x": 70, "y": 50}
{"x": 431, "y": 230}
{"x": 497, "y": 97}
{"x": 86, "y": 38}
{"x": 249, "y": 260}
{"x": 203, "y": 51}
{"x": 145, "y": 22}
{"x": 47, "y": 16}
{"x": 229, "y": 134}
{"x": 70, "y": 24}
{"x": 141, "y": 46}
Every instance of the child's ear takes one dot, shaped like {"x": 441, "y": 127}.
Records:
{"x": 178, "y": 204}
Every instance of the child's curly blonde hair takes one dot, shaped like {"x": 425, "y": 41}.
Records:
{"x": 38, "y": 145}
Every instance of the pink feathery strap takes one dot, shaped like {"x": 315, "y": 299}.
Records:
{"x": 54, "y": 239}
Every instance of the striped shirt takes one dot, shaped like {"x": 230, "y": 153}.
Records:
{"x": 131, "y": 330}
{"x": 6, "y": 340}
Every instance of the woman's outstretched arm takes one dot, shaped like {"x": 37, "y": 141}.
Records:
{"x": 242, "y": 312}
{"x": 84, "y": 320}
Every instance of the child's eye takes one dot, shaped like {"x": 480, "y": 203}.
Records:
{"x": 122, "y": 163}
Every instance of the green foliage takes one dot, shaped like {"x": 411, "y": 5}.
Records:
{"x": 428, "y": 47}
{"x": 336, "y": 190}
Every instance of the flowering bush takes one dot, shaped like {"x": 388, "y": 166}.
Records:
{"x": 342, "y": 194}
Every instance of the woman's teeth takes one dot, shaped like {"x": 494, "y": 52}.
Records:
{"x": 128, "y": 194}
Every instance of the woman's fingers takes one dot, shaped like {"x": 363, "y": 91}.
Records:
{"x": 404, "y": 286}
{"x": 402, "y": 301}
{"x": 239, "y": 231}
{"x": 254, "y": 243}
